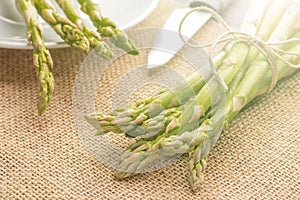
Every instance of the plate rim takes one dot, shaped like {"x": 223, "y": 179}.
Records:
{"x": 5, "y": 43}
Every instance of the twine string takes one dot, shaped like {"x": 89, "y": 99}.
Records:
{"x": 268, "y": 49}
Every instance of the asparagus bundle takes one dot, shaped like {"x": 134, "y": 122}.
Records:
{"x": 106, "y": 27}
{"x": 194, "y": 127}
{"x": 41, "y": 56}
{"x": 173, "y": 139}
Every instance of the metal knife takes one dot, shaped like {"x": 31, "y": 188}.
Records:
{"x": 168, "y": 42}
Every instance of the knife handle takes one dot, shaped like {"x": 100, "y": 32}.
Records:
{"x": 217, "y": 5}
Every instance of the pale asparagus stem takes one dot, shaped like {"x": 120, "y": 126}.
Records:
{"x": 41, "y": 56}
{"x": 107, "y": 28}
{"x": 197, "y": 164}
{"x": 197, "y": 161}
{"x": 126, "y": 119}
{"x": 282, "y": 32}
{"x": 67, "y": 30}
{"x": 253, "y": 17}
{"x": 273, "y": 14}
{"x": 238, "y": 58}
{"x": 101, "y": 48}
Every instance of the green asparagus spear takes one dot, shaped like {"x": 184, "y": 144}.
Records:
{"x": 68, "y": 31}
{"x": 101, "y": 48}
{"x": 107, "y": 28}
{"x": 41, "y": 56}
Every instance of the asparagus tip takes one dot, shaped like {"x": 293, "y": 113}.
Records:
{"x": 41, "y": 108}
{"x": 104, "y": 51}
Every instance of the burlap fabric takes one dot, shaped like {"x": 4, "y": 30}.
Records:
{"x": 258, "y": 157}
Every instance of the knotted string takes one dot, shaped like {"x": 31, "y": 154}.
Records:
{"x": 268, "y": 49}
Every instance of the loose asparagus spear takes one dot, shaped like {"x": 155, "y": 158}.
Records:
{"x": 41, "y": 56}
{"x": 101, "y": 48}
{"x": 239, "y": 53}
{"x": 68, "y": 31}
{"x": 107, "y": 28}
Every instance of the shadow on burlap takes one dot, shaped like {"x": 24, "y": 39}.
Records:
{"x": 257, "y": 157}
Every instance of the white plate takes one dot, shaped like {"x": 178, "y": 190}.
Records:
{"x": 126, "y": 13}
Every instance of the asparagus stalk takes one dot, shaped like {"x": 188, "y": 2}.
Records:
{"x": 68, "y": 31}
{"x": 199, "y": 153}
{"x": 41, "y": 56}
{"x": 203, "y": 99}
{"x": 107, "y": 28}
{"x": 101, "y": 48}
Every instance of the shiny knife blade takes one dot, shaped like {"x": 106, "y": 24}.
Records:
{"x": 168, "y": 42}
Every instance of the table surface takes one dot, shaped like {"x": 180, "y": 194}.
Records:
{"x": 257, "y": 157}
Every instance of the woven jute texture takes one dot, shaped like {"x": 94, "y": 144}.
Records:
{"x": 43, "y": 157}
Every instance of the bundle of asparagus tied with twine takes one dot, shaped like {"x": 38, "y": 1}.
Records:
{"x": 71, "y": 28}
{"x": 265, "y": 50}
